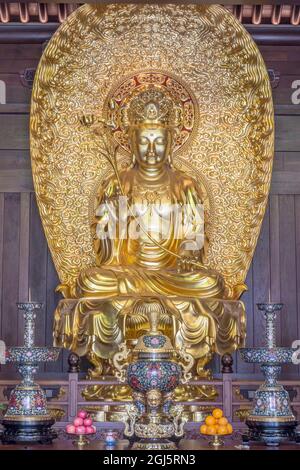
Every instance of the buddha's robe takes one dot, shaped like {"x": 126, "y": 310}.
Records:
{"x": 132, "y": 266}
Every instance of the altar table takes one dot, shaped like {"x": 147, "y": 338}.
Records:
{"x": 184, "y": 444}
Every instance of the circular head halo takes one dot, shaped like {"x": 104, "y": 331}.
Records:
{"x": 153, "y": 97}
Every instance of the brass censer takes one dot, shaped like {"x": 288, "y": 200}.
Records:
{"x": 153, "y": 371}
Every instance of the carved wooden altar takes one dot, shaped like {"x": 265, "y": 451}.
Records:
{"x": 234, "y": 397}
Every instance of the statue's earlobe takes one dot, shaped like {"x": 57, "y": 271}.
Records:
{"x": 170, "y": 155}
{"x": 133, "y": 161}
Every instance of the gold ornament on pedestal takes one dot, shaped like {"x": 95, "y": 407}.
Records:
{"x": 167, "y": 106}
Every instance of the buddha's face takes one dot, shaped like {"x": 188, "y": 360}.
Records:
{"x": 151, "y": 145}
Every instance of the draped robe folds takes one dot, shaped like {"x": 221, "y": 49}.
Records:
{"x": 99, "y": 315}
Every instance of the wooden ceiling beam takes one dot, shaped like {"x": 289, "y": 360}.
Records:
{"x": 43, "y": 12}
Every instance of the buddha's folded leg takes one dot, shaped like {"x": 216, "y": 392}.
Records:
{"x": 198, "y": 284}
{"x": 231, "y": 332}
{"x": 107, "y": 282}
{"x": 207, "y": 323}
{"x": 112, "y": 281}
{"x": 94, "y": 326}
{"x": 197, "y": 327}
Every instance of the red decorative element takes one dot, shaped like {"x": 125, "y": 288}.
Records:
{"x": 134, "y": 382}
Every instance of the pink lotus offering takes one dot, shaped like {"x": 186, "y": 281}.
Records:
{"x": 81, "y": 425}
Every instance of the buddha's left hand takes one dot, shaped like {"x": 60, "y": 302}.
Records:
{"x": 187, "y": 264}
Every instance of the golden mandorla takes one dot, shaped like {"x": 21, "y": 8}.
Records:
{"x": 209, "y": 67}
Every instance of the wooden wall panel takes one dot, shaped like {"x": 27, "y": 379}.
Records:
{"x": 275, "y": 254}
{"x": 239, "y": 365}
{"x": 52, "y": 299}
{"x": 261, "y": 281}
{"x": 14, "y": 131}
{"x": 16, "y": 66}
{"x": 286, "y": 139}
{"x": 288, "y": 281}
{"x": 15, "y": 91}
{"x": 38, "y": 269}
{"x": 1, "y": 257}
{"x": 24, "y": 256}
{"x": 10, "y": 268}
{"x": 20, "y": 52}
{"x": 13, "y": 160}
{"x": 261, "y": 278}
{"x": 297, "y": 239}
{"x": 25, "y": 261}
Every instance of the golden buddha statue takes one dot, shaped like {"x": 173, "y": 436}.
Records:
{"x": 144, "y": 253}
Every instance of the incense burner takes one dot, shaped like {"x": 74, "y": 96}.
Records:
{"x": 153, "y": 372}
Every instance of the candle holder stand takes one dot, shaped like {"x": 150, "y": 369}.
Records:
{"x": 27, "y": 419}
{"x": 271, "y": 419}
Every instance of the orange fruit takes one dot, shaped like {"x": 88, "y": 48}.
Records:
{"x": 217, "y": 413}
{"x": 203, "y": 429}
{"x": 222, "y": 430}
{"x": 211, "y": 430}
{"x": 229, "y": 428}
{"x": 223, "y": 421}
{"x": 210, "y": 420}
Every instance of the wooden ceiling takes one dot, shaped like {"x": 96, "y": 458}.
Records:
{"x": 33, "y": 12}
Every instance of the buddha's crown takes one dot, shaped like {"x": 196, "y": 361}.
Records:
{"x": 152, "y": 106}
